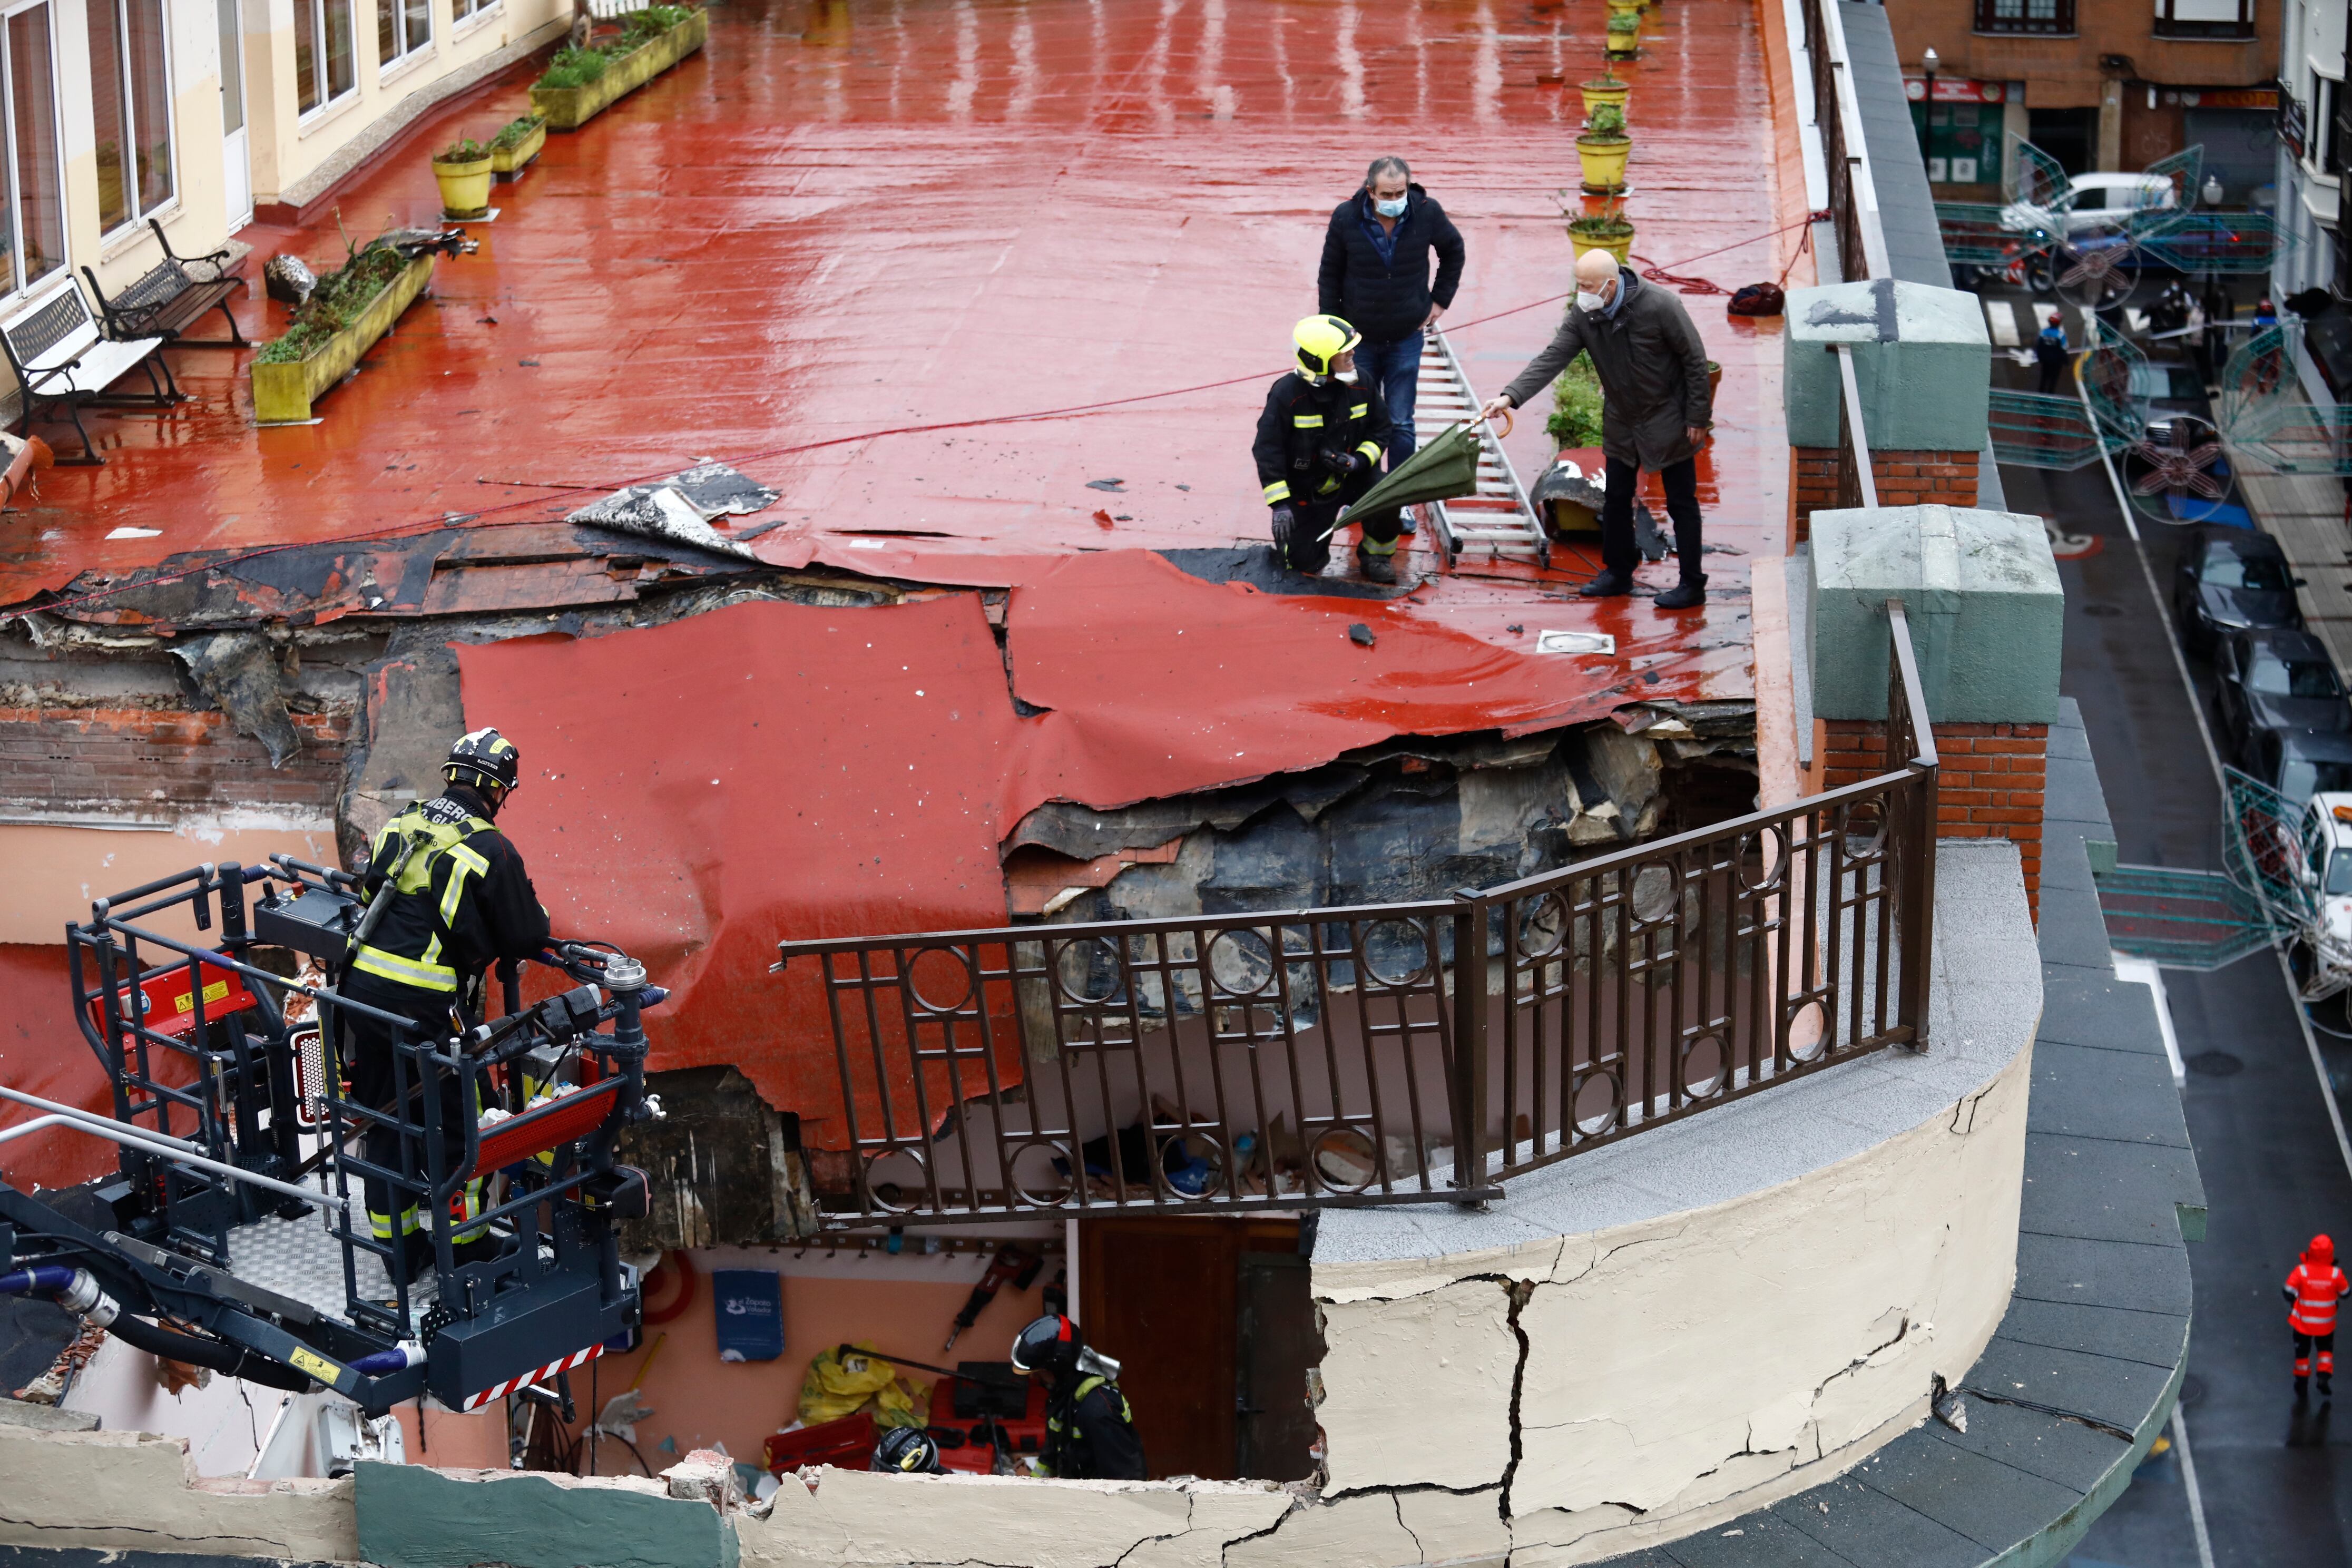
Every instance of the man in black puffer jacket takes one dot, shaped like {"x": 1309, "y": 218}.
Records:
{"x": 1375, "y": 276}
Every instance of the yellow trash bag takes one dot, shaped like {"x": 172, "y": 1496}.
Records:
{"x": 841, "y": 1382}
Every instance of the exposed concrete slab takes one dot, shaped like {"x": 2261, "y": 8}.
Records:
{"x": 850, "y": 1517}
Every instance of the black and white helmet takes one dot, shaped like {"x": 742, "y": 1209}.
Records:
{"x": 485, "y": 756}
{"x": 907, "y": 1451}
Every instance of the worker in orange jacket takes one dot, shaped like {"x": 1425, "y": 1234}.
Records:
{"x": 2313, "y": 1288}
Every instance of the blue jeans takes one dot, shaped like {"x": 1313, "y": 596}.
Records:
{"x": 1396, "y": 368}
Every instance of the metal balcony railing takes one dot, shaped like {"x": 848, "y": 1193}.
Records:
{"x": 1307, "y": 1057}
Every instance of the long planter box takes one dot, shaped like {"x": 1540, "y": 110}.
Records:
{"x": 570, "y": 108}
{"x": 283, "y": 393}
{"x": 510, "y": 160}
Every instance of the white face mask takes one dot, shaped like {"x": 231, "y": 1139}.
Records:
{"x": 1589, "y": 302}
{"x": 1347, "y": 376}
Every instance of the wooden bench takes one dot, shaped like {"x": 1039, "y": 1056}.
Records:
{"x": 63, "y": 363}
{"x": 170, "y": 296}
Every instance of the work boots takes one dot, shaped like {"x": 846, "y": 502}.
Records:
{"x": 2301, "y": 1388}
{"x": 2324, "y": 1391}
{"x": 1611, "y": 585}
{"x": 1374, "y": 568}
{"x": 1689, "y": 594}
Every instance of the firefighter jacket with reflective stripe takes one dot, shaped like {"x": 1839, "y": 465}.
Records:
{"x": 461, "y": 898}
{"x": 1090, "y": 1433}
{"x": 2315, "y": 1293}
{"x": 1302, "y": 423}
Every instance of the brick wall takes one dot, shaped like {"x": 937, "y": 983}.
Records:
{"x": 1989, "y": 785}
{"x": 162, "y": 761}
{"x": 1903, "y": 479}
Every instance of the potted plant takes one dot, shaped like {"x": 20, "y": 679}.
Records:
{"x": 581, "y": 84}
{"x": 1609, "y": 230}
{"x": 463, "y": 167}
{"x": 517, "y": 144}
{"x": 1624, "y": 34}
{"x": 1606, "y": 88}
{"x": 1623, "y": 8}
{"x": 1603, "y": 149}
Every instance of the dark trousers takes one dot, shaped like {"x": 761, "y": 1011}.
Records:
{"x": 368, "y": 1059}
{"x": 1396, "y": 367}
{"x": 1309, "y": 555}
{"x": 1618, "y": 551}
{"x": 2053, "y": 366}
{"x": 2303, "y": 1345}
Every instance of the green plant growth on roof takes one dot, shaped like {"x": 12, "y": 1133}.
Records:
{"x": 464, "y": 150}
{"x": 1576, "y": 404}
{"x": 336, "y": 303}
{"x": 578, "y": 68}
{"x": 1624, "y": 22}
{"x": 1607, "y": 119}
{"x": 517, "y": 132}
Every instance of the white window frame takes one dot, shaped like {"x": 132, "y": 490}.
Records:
{"x": 391, "y": 65}
{"x": 459, "y": 25}
{"x": 329, "y": 102}
{"x": 171, "y": 204}
{"x": 2166, "y": 25}
{"x": 2320, "y": 124}
{"x": 13, "y": 292}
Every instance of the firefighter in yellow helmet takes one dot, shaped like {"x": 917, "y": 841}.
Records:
{"x": 1318, "y": 448}
{"x": 454, "y": 898}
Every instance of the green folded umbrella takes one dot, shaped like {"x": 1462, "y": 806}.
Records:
{"x": 1445, "y": 470}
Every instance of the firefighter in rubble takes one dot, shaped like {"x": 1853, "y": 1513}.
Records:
{"x": 446, "y": 896}
{"x": 1089, "y": 1427}
{"x": 1318, "y": 448}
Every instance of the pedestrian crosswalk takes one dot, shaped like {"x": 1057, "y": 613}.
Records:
{"x": 2015, "y": 323}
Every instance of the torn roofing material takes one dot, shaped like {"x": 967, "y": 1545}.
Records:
{"x": 698, "y": 790}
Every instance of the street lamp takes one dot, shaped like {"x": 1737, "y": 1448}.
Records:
{"x": 1928, "y": 63}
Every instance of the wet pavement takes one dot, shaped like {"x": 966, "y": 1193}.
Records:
{"x": 2275, "y": 1482}
{"x": 837, "y": 222}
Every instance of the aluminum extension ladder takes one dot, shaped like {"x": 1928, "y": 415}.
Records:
{"x": 1498, "y": 519}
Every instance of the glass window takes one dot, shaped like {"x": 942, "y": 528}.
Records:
{"x": 232, "y": 79}
{"x": 401, "y": 27}
{"x": 2025, "y": 15}
{"x": 2339, "y": 876}
{"x": 130, "y": 75}
{"x": 2301, "y": 779}
{"x": 461, "y": 9}
{"x": 33, "y": 228}
{"x": 323, "y": 68}
{"x": 2225, "y": 568}
{"x": 2274, "y": 677}
{"x": 2204, "y": 18}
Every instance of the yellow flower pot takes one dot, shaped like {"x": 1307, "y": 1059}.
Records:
{"x": 1603, "y": 158}
{"x": 570, "y": 108}
{"x": 510, "y": 160}
{"x": 1624, "y": 8}
{"x": 465, "y": 187}
{"x": 1604, "y": 89}
{"x": 1600, "y": 234}
{"x": 1624, "y": 44}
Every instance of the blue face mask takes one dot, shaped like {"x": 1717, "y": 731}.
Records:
{"x": 1390, "y": 209}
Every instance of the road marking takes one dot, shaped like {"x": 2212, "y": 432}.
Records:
{"x": 2000, "y": 319}
{"x": 2213, "y": 760}
{"x": 2189, "y": 1485}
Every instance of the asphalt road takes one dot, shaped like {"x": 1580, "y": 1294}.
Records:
{"x": 2274, "y": 1481}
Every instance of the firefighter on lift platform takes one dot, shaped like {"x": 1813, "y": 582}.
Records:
{"x": 1318, "y": 448}
{"x": 1089, "y": 1427}
{"x": 458, "y": 900}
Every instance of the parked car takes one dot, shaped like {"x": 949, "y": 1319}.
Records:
{"x": 2106, "y": 200}
{"x": 2301, "y": 764}
{"x": 2231, "y": 580}
{"x": 2275, "y": 680}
